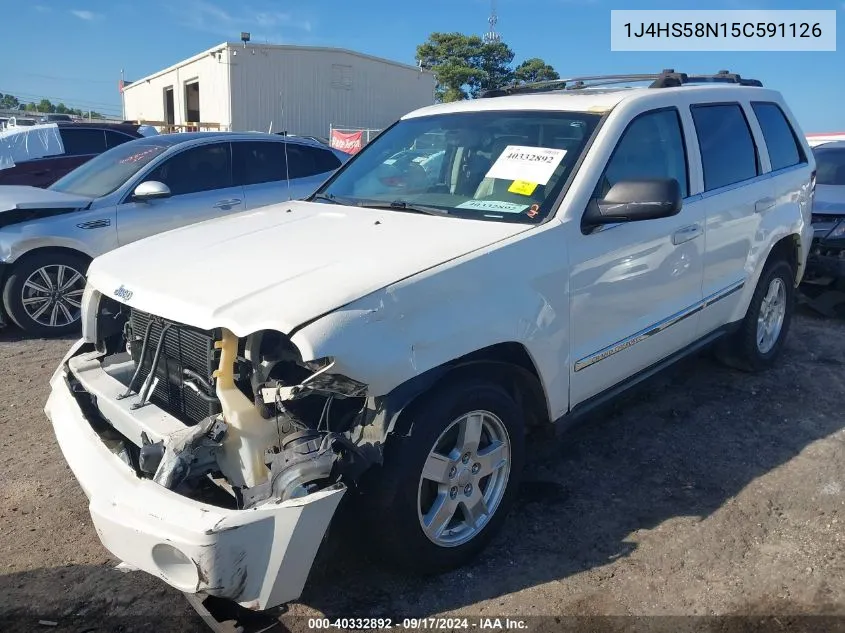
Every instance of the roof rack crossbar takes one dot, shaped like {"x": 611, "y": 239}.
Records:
{"x": 668, "y": 78}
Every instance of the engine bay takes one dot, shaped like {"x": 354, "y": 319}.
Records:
{"x": 260, "y": 423}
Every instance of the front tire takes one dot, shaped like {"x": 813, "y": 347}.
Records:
{"x": 446, "y": 486}
{"x": 43, "y": 294}
{"x": 763, "y": 331}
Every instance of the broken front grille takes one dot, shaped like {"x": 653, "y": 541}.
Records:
{"x": 186, "y": 350}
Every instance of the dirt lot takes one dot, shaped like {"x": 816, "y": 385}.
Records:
{"x": 706, "y": 492}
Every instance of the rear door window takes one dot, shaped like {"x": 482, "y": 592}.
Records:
{"x": 728, "y": 152}
{"x": 781, "y": 140}
{"x": 256, "y": 162}
{"x": 81, "y": 141}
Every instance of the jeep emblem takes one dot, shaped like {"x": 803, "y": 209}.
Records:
{"x": 123, "y": 293}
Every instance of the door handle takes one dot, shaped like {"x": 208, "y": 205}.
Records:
{"x": 686, "y": 233}
{"x": 763, "y": 204}
{"x": 227, "y": 203}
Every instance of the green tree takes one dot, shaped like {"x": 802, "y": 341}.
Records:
{"x": 453, "y": 59}
{"x": 45, "y": 106}
{"x": 534, "y": 69}
{"x": 61, "y": 108}
{"x": 9, "y": 102}
{"x": 31, "y": 107}
{"x": 494, "y": 60}
{"x": 466, "y": 65}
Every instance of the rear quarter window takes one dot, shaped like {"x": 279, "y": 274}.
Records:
{"x": 113, "y": 138}
{"x": 305, "y": 161}
{"x": 781, "y": 140}
{"x": 82, "y": 141}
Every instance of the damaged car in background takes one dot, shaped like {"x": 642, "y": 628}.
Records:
{"x": 379, "y": 349}
{"x": 824, "y": 283}
{"x": 134, "y": 190}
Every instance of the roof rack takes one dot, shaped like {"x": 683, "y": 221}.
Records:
{"x": 668, "y": 78}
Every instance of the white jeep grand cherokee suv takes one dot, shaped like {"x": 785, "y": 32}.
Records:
{"x": 389, "y": 341}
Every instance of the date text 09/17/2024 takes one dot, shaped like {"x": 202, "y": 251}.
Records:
{"x": 419, "y": 624}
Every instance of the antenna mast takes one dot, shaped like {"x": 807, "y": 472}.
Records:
{"x": 491, "y": 36}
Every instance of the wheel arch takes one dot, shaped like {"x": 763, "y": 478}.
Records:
{"x": 787, "y": 246}
{"x": 789, "y": 249}
{"x": 40, "y": 250}
{"x": 508, "y": 364}
{"x": 44, "y": 250}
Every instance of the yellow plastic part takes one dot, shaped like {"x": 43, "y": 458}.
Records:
{"x": 248, "y": 435}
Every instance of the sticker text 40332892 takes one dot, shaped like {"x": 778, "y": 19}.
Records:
{"x": 528, "y": 164}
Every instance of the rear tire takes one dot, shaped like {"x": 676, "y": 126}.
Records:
{"x": 43, "y": 294}
{"x": 462, "y": 459}
{"x": 762, "y": 333}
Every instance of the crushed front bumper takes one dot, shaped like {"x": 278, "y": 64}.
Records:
{"x": 258, "y": 558}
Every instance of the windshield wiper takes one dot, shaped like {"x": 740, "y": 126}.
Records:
{"x": 330, "y": 198}
{"x": 401, "y": 205}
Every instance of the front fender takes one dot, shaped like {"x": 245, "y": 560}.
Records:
{"x": 394, "y": 335}
{"x": 91, "y": 232}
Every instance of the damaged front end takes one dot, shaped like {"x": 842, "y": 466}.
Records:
{"x": 212, "y": 461}
{"x": 824, "y": 280}
{"x": 826, "y": 261}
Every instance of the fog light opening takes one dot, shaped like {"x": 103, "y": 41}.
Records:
{"x": 176, "y": 567}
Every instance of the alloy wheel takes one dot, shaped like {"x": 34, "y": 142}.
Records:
{"x": 52, "y": 295}
{"x": 464, "y": 478}
{"x": 771, "y": 316}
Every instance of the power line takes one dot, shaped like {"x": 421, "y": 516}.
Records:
{"x": 82, "y": 103}
{"x": 23, "y": 96}
{"x": 73, "y": 79}
{"x": 30, "y": 95}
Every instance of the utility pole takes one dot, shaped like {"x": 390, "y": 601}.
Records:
{"x": 122, "y": 98}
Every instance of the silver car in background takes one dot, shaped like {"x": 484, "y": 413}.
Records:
{"x": 147, "y": 186}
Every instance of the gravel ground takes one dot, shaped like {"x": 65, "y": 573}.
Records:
{"x": 705, "y": 492}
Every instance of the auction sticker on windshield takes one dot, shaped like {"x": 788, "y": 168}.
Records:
{"x": 493, "y": 205}
{"x": 531, "y": 164}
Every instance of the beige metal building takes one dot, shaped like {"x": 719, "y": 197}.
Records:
{"x": 267, "y": 87}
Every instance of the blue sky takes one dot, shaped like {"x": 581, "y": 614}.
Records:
{"x": 73, "y": 50}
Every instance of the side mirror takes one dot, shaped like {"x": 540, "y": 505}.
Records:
{"x": 635, "y": 200}
{"x": 151, "y": 190}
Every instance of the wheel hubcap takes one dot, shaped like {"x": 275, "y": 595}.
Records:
{"x": 771, "y": 316}
{"x": 52, "y": 295}
{"x": 464, "y": 478}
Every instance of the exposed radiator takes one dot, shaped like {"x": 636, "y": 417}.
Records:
{"x": 185, "y": 347}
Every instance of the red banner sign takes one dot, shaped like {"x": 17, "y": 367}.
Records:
{"x": 349, "y": 142}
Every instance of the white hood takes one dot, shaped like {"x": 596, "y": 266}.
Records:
{"x": 282, "y": 265}
{"x": 21, "y": 197}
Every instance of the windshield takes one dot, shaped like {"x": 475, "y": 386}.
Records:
{"x": 503, "y": 166}
{"x": 108, "y": 171}
{"x": 830, "y": 165}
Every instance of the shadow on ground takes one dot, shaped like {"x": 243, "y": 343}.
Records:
{"x": 13, "y": 334}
